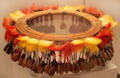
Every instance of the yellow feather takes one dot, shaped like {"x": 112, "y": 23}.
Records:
{"x": 92, "y": 48}
{"x": 108, "y": 19}
{"x": 67, "y": 7}
{"x": 91, "y": 44}
{"x": 31, "y": 44}
{"x": 92, "y": 40}
{"x": 22, "y": 44}
{"x": 114, "y": 24}
{"x": 79, "y": 7}
{"x": 76, "y": 42}
{"x": 42, "y": 49}
{"x": 23, "y": 38}
{"x": 44, "y": 43}
{"x": 16, "y": 15}
{"x": 30, "y": 48}
{"x": 32, "y": 41}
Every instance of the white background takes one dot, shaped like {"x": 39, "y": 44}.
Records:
{"x": 8, "y": 69}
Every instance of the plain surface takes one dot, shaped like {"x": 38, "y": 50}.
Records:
{"x": 8, "y": 68}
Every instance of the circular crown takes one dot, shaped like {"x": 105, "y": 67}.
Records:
{"x": 24, "y": 25}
